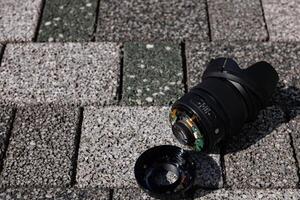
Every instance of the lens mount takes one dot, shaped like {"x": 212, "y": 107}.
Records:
{"x": 165, "y": 171}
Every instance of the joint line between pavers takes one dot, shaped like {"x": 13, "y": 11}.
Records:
{"x": 77, "y": 145}
{"x": 36, "y": 33}
{"x": 6, "y": 143}
{"x": 208, "y": 22}
{"x": 223, "y": 167}
{"x": 265, "y": 21}
{"x": 111, "y": 194}
{"x": 184, "y": 66}
{"x": 121, "y": 66}
{"x": 96, "y": 21}
{"x": 287, "y": 120}
{"x": 2, "y": 53}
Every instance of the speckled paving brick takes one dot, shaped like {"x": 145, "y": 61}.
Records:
{"x": 130, "y": 193}
{"x": 68, "y": 20}
{"x": 285, "y": 57}
{"x": 261, "y": 155}
{"x": 5, "y": 120}
{"x": 78, "y": 73}
{"x": 19, "y": 19}
{"x": 236, "y": 20}
{"x": 41, "y": 147}
{"x": 139, "y": 20}
{"x": 113, "y": 138}
{"x": 133, "y": 193}
{"x": 56, "y": 193}
{"x": 282, "y": 17}
{"x": 248, "y": 194}
{"x": 153, "y": 74}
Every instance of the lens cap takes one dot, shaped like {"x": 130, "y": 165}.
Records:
{"x": 165, "y": 172}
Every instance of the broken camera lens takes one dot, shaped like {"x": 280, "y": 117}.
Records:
{"x": 227, "y": 97}
{"x": 216, "y": 108}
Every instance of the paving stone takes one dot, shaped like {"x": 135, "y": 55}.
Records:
{"x": 153, "y": 74}
{"x": 248, "y": 194}
{"x": 5, "y": 121}
{"x": 130, "y": 193}
{"x": 282, "y": 18}
{"x": 41, "y": 147}
{"x": 236, "y": 20}
{"x": 55, "y": 193}
{"x": 138, "y": 20}
{"x": 113, "y": 138}
{"x": 19, "y": 19}
{"x": 261, "y": 155}
{"x": 65, "y": 20}
{"x": 285, "y": 57}
{"x": 78, "y": 73}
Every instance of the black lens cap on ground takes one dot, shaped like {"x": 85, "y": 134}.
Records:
{"x": 165, "y": 172}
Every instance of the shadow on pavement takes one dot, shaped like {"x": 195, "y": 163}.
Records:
{"x": 207, "y": 174}
{"x": 277, "y": 112}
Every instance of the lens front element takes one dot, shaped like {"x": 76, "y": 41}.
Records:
{"x": 185, "y": 129}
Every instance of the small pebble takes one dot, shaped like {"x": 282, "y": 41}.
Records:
{"x": 48, "y": 23}
{"x": 149, "y": 46}
{"x": 149, "y": 99}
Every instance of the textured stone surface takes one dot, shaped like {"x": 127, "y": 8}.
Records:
{"x": 65, "y": 20}
{"x": 282, "y": 17}
{"x": 152, "y": 75}
{"x": 5, "y": 121}
{"x": 55, "y": 193}
{"x": 236, "y": 20}
{"x": 113, "y": 138}
{"x": 18, "y": 19}
{"x": 248, "y": 194}
{"x": 41, "y": 147}
{"x": 130, "y": 193}
{"x": 261, "y": 155}
{"x": 285, "y": 57}
{"x": 294, "y": 129}
{"x": 133, "y": 193}
{"x": 137, "y": 20}
{"x": 71, "y": 72}
{"x": 208, "y": 170}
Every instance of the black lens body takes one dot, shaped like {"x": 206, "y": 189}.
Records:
{"x": 227, "y": 97}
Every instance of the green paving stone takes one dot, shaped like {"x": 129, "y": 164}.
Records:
{"x": 152, "y": 74}
{"x": 68, "y": 20}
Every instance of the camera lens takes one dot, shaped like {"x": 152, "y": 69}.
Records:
{"x": 227, "y": 97}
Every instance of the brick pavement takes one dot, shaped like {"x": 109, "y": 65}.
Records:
{"x": 85, "y": 88}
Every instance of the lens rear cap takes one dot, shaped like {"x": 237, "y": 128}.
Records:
{"x": 165, "y": 172}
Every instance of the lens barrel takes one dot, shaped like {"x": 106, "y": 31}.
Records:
{"x": 227, "y": 97}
